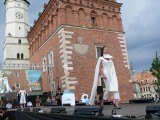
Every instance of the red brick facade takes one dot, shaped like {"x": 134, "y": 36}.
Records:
{"x": 72, "y": 29}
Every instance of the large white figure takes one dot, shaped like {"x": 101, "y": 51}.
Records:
{"x": 106, "y": 67}
{"x": 4, "y": 85}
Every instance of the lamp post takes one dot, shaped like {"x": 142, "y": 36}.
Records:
{"x": 136, "y": 87}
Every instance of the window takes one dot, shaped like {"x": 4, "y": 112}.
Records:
{"x": 141, "y": 89}
{"x": 149, "y": 89}
{"x": 19, "y": 41}
{"x": 44, "y": 64}
{"x": 18, "y": 56}
{"x": 19, "y": 28}
{"x": 16, "y": 74}
{"x": 22, "y": 56}
{"x": 17, "y": 85}
{"x": 93, "y": 18}
{"x": 50, "y": 58}
{"x": 98, "y": 51}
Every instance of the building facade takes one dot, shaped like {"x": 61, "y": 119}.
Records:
{"x": 16, "y": 30}
{"x": 69, "y": 34}
{"x": 147, "y": 84}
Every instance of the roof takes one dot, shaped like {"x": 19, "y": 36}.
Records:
{"x": 145, "y": 77}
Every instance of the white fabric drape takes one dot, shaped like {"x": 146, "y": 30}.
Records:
{"x": 109, "y": 71}
{"x": 94, "y": 87}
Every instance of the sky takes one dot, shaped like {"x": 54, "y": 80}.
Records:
{"x": 141, "y": 23}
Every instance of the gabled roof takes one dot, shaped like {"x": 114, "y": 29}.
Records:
{"x": 145, "y": 77}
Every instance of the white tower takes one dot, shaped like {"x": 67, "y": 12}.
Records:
{"x": 16, "y": 43}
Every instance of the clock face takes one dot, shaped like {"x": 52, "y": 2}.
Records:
{"x": 19, "y": 15}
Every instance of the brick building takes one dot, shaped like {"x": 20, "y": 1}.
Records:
{"x": 70, "y": 35}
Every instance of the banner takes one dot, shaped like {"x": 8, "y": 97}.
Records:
{"x": 12, "y": 80}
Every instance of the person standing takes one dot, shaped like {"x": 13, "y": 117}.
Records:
{"x": 22, "y": 94}
{"x": 38, "y": 100}
{"x": 106, "y": 68}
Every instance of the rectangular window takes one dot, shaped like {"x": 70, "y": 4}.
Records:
{"x": 44, "y": 64}
{"x": 98, "y": 50}
{"x": 93, "y": 20}
{"x": 17, "y": 85}
{"x": 50, "y": 58}
{"x": 16, "y": 74}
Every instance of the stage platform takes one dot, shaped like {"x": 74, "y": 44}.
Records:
{"x": 137, "y": 110}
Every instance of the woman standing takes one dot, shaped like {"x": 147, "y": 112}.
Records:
{"x": 106, "y": 68}
{"x": 22, "y": 94}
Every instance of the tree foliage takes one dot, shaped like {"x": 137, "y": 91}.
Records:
{"x": 155, "y": 69}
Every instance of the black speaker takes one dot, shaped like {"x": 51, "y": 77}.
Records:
{"x": 66, "y": 104}
{"x": 26, "y": 109}
{"x": 88, "y": 110}
{"x": 59, "y": 109}
{"x": 80, "y": 104}
{"x": 99, "y": 90}
{"x": 152, "y": 109}
{"x": 36, "y": 110}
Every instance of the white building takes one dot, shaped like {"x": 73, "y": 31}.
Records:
{"x": 147, "y": 84}
{"x": 17, "y": 27}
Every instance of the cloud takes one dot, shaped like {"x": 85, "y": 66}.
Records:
{"x": 2, "y": 28}
{"x": 140, "y": 21}
{"x": 35, "y": 8}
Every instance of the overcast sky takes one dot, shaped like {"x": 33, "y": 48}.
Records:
{"x": 141, "y": 21}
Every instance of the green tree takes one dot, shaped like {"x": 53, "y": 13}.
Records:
{"x": 155, "y": 69}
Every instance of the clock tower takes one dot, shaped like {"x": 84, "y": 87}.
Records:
{"x": 16, "y": 43}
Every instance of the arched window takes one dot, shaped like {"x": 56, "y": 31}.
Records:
{"x": 44, "y": 64}
{"x": 68, "y": 15}
{"x": 81, "y": 15}
{"x": 22, "y": 56}
{"x": 149, "y": 89}
{"x": 18, "y": 56}
{"x": 50, "y": 58}
{"x": 19, "y": 41}
{"x": 93, "y": 18}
